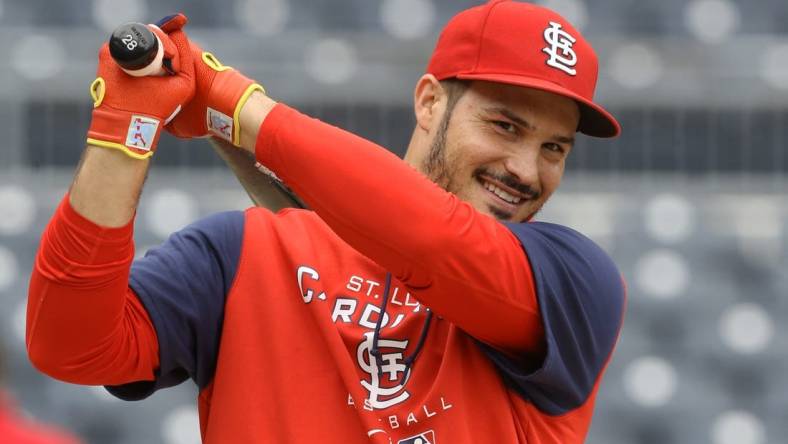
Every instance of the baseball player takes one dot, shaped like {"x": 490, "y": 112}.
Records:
{"x": 415, "y": 303}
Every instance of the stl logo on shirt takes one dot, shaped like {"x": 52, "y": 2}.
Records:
{"x": 383, "y": 385}
{"x": 427, "y": 437}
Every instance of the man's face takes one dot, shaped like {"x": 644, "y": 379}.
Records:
{"x": 503, "y": 148}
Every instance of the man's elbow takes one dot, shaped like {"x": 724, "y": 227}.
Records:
{"x": 43, "y": 360}
{"x": 53, "y": 360}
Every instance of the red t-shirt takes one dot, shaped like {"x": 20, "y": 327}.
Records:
{"x": 274, "y": 316}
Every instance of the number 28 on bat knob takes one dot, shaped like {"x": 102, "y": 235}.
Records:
{"x": 137, "y": 50}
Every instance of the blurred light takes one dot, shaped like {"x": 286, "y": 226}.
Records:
{"x": 758, "y": 217}
{"x": 407, "y": 19}
{"x": 636, "y": 66}
{"x": 650, "y": 381}
{"x": 712, "y": 21}
{"x": 575, "y": 11}
{"x": 9, "y": 269}
{"x": 331, "y": 61}
{"x": 169, "y": 211}
{"x": 592, "y": 215}
{"x": 263, "y": 17}
{"x": 38, "y": 57}
{"x": 182, "y": 426}
{"x": 589, "y": 213}
{"x": 670, "y": 218}
{"x": 737, "y": 427}
{"x": 17, "y": 210}
{"x": 746, "y": 328}
{"x": 109, "y": 14}
{"x": 663, "y": 274}
{"x": 19, "y": 321}
{"x": 758, "y": 225}
{"x": 774, "y": 66}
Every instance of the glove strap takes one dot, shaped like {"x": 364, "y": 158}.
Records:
{"x": 141, "y": 132}
{"x": 135, "y": 134}
{"x": 230, "y": 88}
{"x": 223, "y": 125}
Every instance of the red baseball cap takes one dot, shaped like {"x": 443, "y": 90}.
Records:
{"x": 526, "y": 45}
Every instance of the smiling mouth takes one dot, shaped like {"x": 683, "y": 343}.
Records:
{"x": 503, "y": 195}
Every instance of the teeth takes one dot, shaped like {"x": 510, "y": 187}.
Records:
{"x": 502, "y": 194}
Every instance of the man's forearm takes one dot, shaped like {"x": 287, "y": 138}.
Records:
{"x": 253, "y": 114}
{"x": 84, "y": 325}
{"x": 107, "y": 186}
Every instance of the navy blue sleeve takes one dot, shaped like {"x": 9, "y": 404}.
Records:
{"x": 183, "y": 285}
{"x": 581, "y": 298}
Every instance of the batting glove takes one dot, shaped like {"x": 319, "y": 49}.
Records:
{"x": 221, "y": 93}
{"x": 129, "y": 112}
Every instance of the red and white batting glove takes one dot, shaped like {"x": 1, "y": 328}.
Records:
{"x": 221, "y": 93}
{"x": 130, "y": 112}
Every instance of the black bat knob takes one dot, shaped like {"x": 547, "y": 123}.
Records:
{"x": 133, "y": 46}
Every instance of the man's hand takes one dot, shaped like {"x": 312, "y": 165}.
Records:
{"x": 107, "y": 185}
{"x": 129, "y": 112}
{"x": 220, "y": 95}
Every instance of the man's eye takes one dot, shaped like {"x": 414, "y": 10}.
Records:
{"x": 554, "y": 147}
{"x": 506, "y": 126}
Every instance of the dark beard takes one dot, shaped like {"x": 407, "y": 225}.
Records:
{"x": 435, "y": 165}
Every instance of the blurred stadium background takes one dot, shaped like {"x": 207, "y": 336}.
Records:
{"x": 690, "y": 201}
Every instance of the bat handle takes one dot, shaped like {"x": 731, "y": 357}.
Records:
{"x": 137, "y": 50}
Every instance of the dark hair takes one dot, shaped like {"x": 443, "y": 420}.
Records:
{"x": 454, "y": 88}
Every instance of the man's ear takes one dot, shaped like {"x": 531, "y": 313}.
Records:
{"x": 429, "y": 102}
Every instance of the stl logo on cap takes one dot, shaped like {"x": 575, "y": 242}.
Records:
{"x": 560, "y": 40}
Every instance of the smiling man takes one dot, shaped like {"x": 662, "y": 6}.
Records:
{"x": 508, "y": 148}
{"x": 416, "y": 303}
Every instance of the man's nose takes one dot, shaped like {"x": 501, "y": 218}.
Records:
{"x": 524, "y": 164}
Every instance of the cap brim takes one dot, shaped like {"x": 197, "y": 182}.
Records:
{"x": 595, "y": 121}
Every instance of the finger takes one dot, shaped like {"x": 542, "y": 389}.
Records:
{"x": 165, "y": 29}
{"x": 172, "y": 22}
{"x": 182, "y": 45}
{"x": 172, "y": 60}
